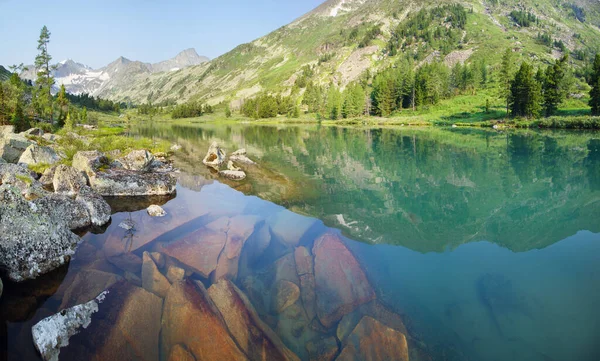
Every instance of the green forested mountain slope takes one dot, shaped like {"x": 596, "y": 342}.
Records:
{"x": 343, "y": 39}
{"x": 4, "y": 73}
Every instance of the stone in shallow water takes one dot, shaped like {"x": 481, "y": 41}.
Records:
{"x": 373, "y": 341}
{"x": 152, "y": 280}
{"x": 190, "y": 318}
{"x": 215, "y": 156}
{"x": 290, "y": 236}
{"x": 239, "y": 230}
{"x": 179, "y": 353}
{"x": 199, "y": 250}
{"x": 119, "y": 182}
{"x": 126, "y": 327}
{"x": 286, "y": 294}
{"x": 156, "y": 211}
{"x": 233, "y": 174}
{"x": 86, "y": 286}
{"x": 340, "y": 283}
{"x": 322, "y": 349}
{"x": 54, "y": 332}
{"x": 98, "y": 208}
{"x": 255, "y": 338}
{"x": 373, "y": 309}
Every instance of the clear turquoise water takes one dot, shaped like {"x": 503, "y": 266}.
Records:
{"x": 487, "y": 243}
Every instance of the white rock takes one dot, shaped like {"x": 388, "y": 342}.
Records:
{"x": 156, "y": 211}
{"x": 54, "y": 332}
{"x": 233, "y": 174}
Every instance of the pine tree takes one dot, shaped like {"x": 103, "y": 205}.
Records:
{"x": 595, "y": 84}
{"x": 506, "y": 70}
{"x": 68, "y": 121}
{"x": 553, "y": 89}
{"x": 227, "y": 111}
{"x": 44, "y": 79}
{"x": 63, "y": 103}
{"x": 334, "y": 103}
{"x": 525, "y": 96}
{"x": 84, "y": 117}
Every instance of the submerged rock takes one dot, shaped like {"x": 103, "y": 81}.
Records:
{"x": 322, "y": 349}
{"x": 32, "y": 242}
{"x": 156, "y": 211}
{"x": 54, "y": 332}
{"x": 340, "y": 283}
{"x": 130, "y": 183}
{"x": 138, "y": 160}
{"x": 373, "y": 341}
{"x": 191, "y": 319}
{"x": 152, "y": 280}
{"x": 215, "y": 156}
{"x": 255, "y": 338}
{"x": 236, "y": 175}
{"x": 125, "y": 328}
{"x": 286, "y": 294}
{"x": 35, "y": 154}
{"x": 179, "y": 353}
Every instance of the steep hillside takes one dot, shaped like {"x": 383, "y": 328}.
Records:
{"x": 4, "y": 73}
{"x": 79, "y": 78}
{"x": 341, "y": 39}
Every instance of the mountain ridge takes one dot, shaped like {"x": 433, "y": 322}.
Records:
{"x": 79, "y": 78}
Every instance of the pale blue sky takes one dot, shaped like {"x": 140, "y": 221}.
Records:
{"x": 97, "y": 32}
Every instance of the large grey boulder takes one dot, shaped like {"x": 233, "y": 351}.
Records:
{"x": 139, "y": 160}
{"x": 68, "y": 180}
{"x": 215, "y": 156}
{"x": 22, "y": 179}
{"x": 35, "y": 154}
{"x": 239, "y": 156}
{"x": 97, "y": 207}
{"x": 61, "y": 206}
{"x": 51, "y": 137}
{"x": 32, "y": 242}
{"x": 12, "y": 147}
{"x": 89, "y": 162}
{"x": 120, "y": 182}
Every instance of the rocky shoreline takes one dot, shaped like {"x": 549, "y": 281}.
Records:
{"x": 38, "y": 212}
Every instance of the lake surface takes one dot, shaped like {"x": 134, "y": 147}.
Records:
{"x": 486, "y": 244}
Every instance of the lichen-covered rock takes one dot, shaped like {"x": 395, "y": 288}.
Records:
{"x": 242, "y": 159}
{"x": 32, "y": 242}
{"x": 12, "y": 147}
{"x": 51, "y": 137}
{"x": 120, "y": 182}
{"x": 97, "y": 207}
{"x": 23, "y": 179}
{"x": 47, "y": 178}
{"x": 68, "y": 180}
{"x": 236, "y": 175}
{"x": 139, "y": 160}
{"x": 89, "y": 162}
{"x": 215, "y": 156}
{"x": 35, "y": 154}
{"x": 231, "y": 166}
{"x": 156, "y": 211}
{"x": 54, "y": 332}
{"x": 58, "y": 206}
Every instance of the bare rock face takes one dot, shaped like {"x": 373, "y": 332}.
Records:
{"x": 126, "y": 327}
{"x": 372, "y": 341}
{"x": 138, "y": 160}
{"x": 12, "y": 147}
{"x": 341, "y": 284}
{"x": 32, "y": 242}
{"x": 89, "y": 162}
{"x": 215, "y": 156}
{"x": 35, "y": 154}
{"x": 67, "y": 180}
{"x": 255, "y": 338}
{"x": 118, "y": 182}
{"x": 191, "y": 319}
